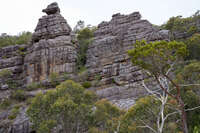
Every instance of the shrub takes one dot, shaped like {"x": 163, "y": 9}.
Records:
{"x": 85, "y": 37}
{"x": 18, "y": 95}
{"x": 54, "y": 78}
{"x": 14, "y": 113}
{"x": 5, "y": 103}
{"x": 5, "y": 73}
{"x": 82, "y": 75}
{"x": 33, "y": 86}
{"x": 22, "y": 38}
{"x": 70, "y": 102}
{"x": 86, "y": 84}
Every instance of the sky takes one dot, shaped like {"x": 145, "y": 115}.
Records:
{"x": 22, "y": 15}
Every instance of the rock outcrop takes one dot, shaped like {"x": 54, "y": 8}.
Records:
{"x": 107, "y": 56}
{"x": 11, "y": 68}
{"x": 52, "y": 50}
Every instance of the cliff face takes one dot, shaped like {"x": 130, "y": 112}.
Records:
{"x": 11, "y": 61}
{"x": 107, "y": 57}
{"x": 52, "y": 49}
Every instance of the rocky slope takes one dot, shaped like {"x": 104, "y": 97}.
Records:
{"x": 50, "y": 51}
{"x": 107, "y": 57}
{"x": 53, "y": 50}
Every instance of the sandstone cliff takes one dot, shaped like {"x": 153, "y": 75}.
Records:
{"x": 107, "y": 57}
{"x": 52, "y": 50}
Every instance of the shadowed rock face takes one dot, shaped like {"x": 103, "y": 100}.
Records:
{"x": 11, "y": 59}
{"x": 52, "y": 49}
{"x": 107, "y": 56}
{"x": 52, "y": 9}
{"x": 52, "y": 25}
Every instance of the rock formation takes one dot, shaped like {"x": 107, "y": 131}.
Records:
{"x": 11, "y": 59}
{"x": 52, "y": 50}
{"x": 107, "y": 57}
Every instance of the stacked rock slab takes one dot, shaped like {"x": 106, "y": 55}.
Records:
{"x": 52, "y": 50}
{"x": 11, "y": 60}
{"x": 107, "y": 57}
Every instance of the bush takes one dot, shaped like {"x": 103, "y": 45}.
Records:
{"x": 5, "y": 103}
{"x": 70, "y": 102}
{"x": 33, "y": 86}
{"x": 84, "y": 39}
{"x": 22, "y": 38}
{"x": 86, "y": 84}
{"x": 5, "y": 73}
{"x": 18, "y": 95}
{"x": 14, "y": 113}
{"x": 193, "y": 44}
{"x": 54, "y": 78}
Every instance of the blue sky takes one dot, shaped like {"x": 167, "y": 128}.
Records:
{"x": 22, "y": 15}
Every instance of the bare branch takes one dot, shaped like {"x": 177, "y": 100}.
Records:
{"x": 190, "y": 85}
{"x": 147, "y": 126}
{"x": 192, "y": 108}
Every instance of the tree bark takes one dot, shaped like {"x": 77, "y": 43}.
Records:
{"x": 183, "y": 116}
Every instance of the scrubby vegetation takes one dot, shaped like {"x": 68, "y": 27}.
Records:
{"x": 183, "y": 24}
{"x": 18, "y": 95}
{"x": 84, "y": 37}
{"x": 172, "y": 107}
{"x": 22, "y": 38}
{"x": 75, "y": 109}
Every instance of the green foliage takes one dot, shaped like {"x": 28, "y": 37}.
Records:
{"x": 156, "y": 57}
{"x": 196, "y": 129}
{"x": 86, "y": 84}
{"x": 18, "y": 95}
{"x": 14, "y": 112}
{"x": 193, "y": 44}
{"x": 5, "y": 73}
{"x": 188, "y": 75}
{"x": 82, "y": 75}
{"x": 106, "y": 117}
{"x": 144, "y": 110}
{"x": 85, "y": 34}
{"x": 33, "y": 86}
{"x": 183, "y": 24}
{"x": 46, "y": 126}
{"x": 54, "y": 78}
{"x": 96, "y": 130}
{"x": 84, "y": 39}
{"x": 5, "y": 103}
{"x": 70, "y": 104}
{"x": 22, "y": 38}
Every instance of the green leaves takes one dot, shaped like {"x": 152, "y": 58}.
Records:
{"x": 67, "y": 106}
{"x": 157, "y": 56}
{"x": 22, "y": 38}
{"x": 84, "y": 39}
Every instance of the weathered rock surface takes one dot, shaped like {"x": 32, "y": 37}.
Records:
{"x": 19, "y": 125}
{"x": 52, "y": 49}
{"x": 11, "y": 59}
{"x": 107, "y": 56}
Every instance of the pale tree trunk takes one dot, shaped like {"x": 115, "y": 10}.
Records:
{"x": 162, "y": 96}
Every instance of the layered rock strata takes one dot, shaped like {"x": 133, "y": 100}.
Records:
{"x": 52, "y": 50}
{"x": 11, "y": 62}
{"x": 107, "y": 56}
